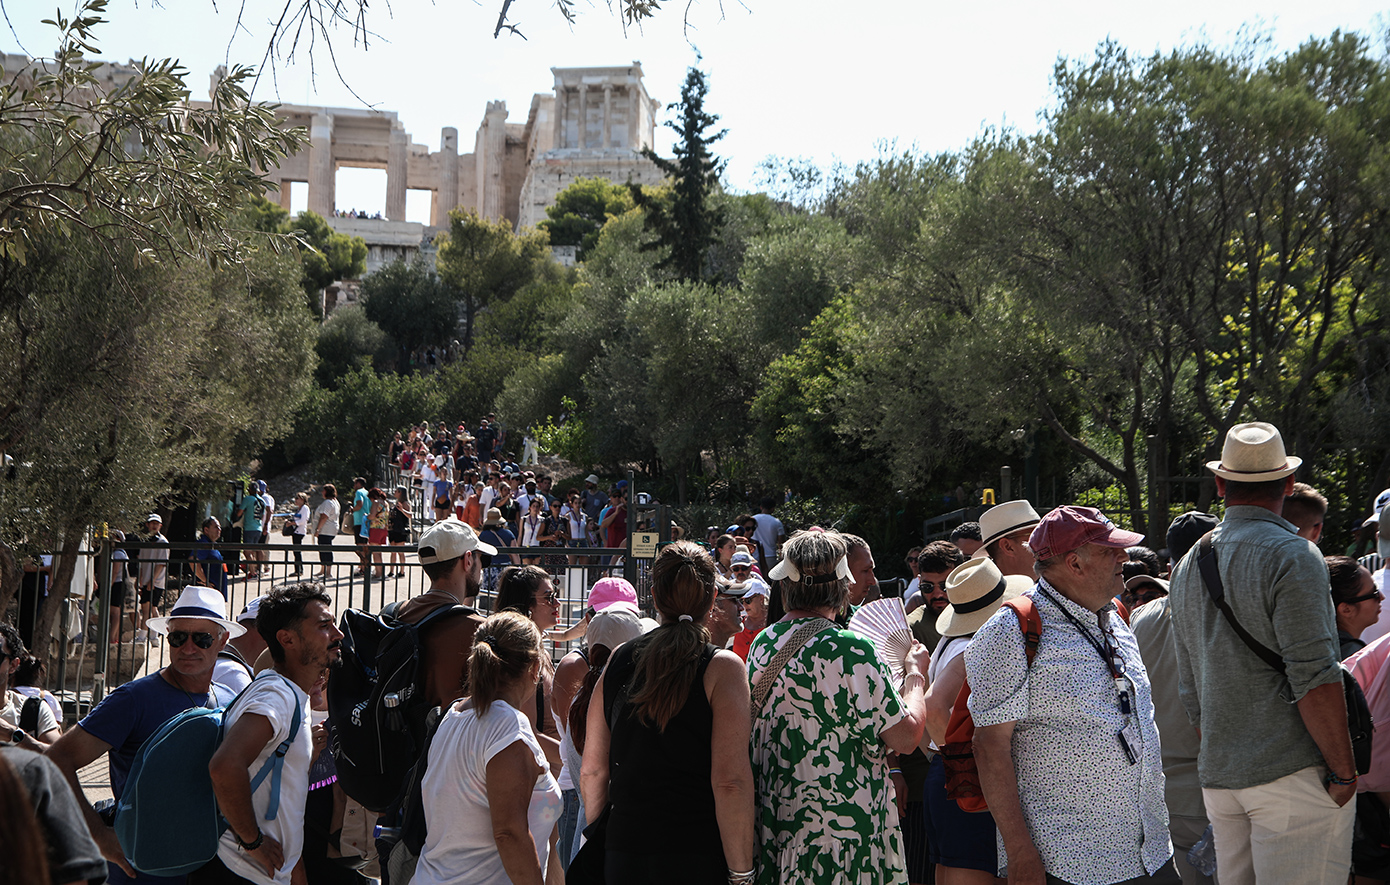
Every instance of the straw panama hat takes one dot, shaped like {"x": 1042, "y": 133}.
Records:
{"x": 1254, "y": 452}
{"x": 1005, "y": 519}
{"x": 976, "y": 589}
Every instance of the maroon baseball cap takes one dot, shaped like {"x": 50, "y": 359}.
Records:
{"x": 1068, "y": 528}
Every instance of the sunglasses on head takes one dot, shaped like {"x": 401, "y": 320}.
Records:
{"x": 178, "y": 637}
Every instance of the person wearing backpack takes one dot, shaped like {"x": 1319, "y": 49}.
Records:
{"x": 451, "y": 555}
{"x": 196, "y": 629}
{"x": 24, "y": 720}
{"x": 1065, "y": 744}
{"x": 265, "y": 822}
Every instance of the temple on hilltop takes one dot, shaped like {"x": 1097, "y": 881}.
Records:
{"x": 595, "y": 123}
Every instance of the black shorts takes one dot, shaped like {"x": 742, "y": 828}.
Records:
{"x": 398, "y": 537}
{"x": 152, "y": 596}
{"x": 361, "y": 539}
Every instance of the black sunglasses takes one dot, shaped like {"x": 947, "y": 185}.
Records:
{"x": 178, "y": 637}
{"x": 1368, "y": 597}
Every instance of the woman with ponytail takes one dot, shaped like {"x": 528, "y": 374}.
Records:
{"x": 489, "y": 799}
{"x": 674, "y": 766}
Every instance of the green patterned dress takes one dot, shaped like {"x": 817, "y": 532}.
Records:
{"x": 825, "y": 810}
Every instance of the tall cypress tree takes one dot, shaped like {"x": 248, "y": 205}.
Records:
{"x": 687, "y": 222}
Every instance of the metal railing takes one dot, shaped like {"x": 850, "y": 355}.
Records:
{"x": 95, "y": 647}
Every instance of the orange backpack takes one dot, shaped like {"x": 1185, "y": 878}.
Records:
{"x": 957, "y": 753}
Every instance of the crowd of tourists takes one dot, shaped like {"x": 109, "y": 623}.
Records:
{"x": 1047, "y": 701}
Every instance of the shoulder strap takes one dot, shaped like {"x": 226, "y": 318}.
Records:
{"x": 779, "y": 661}
{"x": 274, "y": 766}
{"x": 29, "y": 716}
{"x": 1211, "y": 577}
{"x": 1030, "y": 622}
{"x": 230, "y": 654}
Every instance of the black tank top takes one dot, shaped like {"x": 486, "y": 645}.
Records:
{"x": 659, "y": 782}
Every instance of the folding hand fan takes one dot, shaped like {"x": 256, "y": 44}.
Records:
{"x": 884, "y": 623}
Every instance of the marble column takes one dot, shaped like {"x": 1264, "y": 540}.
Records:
{"x": 448, "y": 196}
{"x": 396, "y": 173}
{"x": 321, "y": 166}
{"x": 607, "y": 116}
{"x": 583, "y": 116}
{"x": 634, "y": 118}
{"x": 491, "y": 159}
{"x": 285, "y": 191}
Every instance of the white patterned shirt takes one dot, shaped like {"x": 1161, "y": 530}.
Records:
{"x": 1094, "y": 817}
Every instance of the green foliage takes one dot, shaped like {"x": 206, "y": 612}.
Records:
{"x": 134, "y": 164}
{"x": 329, "y": 255}
{"x": 348, "y": 342}
{"x": 570, "y": 439}
{"x": 581, "y": 210}
{"x": 411, "y": 304}
{"x": 685, "y": 221}
{"x": 484, "y": 262}
{"x": 343, "y": 429}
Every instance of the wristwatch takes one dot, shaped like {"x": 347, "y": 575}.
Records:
{"x": 17, "y": 736}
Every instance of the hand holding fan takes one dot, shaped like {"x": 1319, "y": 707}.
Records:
{"x": 884, "y": 623}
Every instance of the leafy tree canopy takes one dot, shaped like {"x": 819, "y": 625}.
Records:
{"x": 581, "y": 210}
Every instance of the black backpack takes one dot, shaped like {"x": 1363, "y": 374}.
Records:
{"x": 377, "y": 704}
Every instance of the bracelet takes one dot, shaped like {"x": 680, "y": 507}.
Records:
{"x": 736, "y": 878}
{"x": 908, "y": 676}
{"x": 253, "y": 844}
{"x": 895, "y": 771}
{"x": 1340, "y": 781}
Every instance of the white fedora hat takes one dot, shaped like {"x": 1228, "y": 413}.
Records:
{"x": 976, "y": 589}
{"x": 198, "y": 602}
{"x": 1005, "y": 519}
{"x": 1254, "y": 452}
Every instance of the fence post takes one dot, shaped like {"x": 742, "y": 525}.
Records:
{"x": 103, "y": 649}
{"x": 629, "y": 564}
{"x": 1006, "y": 483}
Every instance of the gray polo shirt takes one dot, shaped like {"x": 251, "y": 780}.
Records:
{"x": 1277, "y": 586}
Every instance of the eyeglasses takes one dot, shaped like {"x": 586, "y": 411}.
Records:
{"x": 1369, "y": 596}
{"x": 930, "y": 587}
{"x": 552, "y": 597}
{"x": 178, "y": 637}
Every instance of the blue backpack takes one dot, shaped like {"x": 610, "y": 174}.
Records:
{"x": 170, "y": 782}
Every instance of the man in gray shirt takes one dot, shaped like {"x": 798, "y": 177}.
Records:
{"x": 1275, "y": 760}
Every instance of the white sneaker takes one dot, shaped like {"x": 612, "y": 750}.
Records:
{"x": 141, "y": 636}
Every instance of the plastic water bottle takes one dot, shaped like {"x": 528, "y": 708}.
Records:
{"x": 1202, "y": 856}
{"x": 381, "y": 832}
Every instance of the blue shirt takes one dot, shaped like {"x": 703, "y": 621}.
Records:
{"x": 125, "y": 719}
{"x": 360, "y": 506}
{"x": 213, "y": 569}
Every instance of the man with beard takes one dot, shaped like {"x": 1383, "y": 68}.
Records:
{"x": 452, "y": 557}
{"x": 261, "y": 844}
{"x": 196, "y": 629}
{"x": 934, "y": 563}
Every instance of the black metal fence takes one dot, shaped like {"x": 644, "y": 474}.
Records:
{"x": 98, "y": 644}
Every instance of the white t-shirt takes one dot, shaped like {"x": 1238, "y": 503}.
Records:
{"x": 330, "y": 509}
{"x": 576, "y": 517}
{"x": 455, "y": 792}
{"x": 954, "y": 649}
{"x": 273, "y": 696}
{"x": 14, "y": 703}
{"x": 769, "y": 529}
{"x": 231, "y": 675}
{"x": 301, "y": 519}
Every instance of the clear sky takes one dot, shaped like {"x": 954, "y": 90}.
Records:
{"x": 789, "y": 78}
